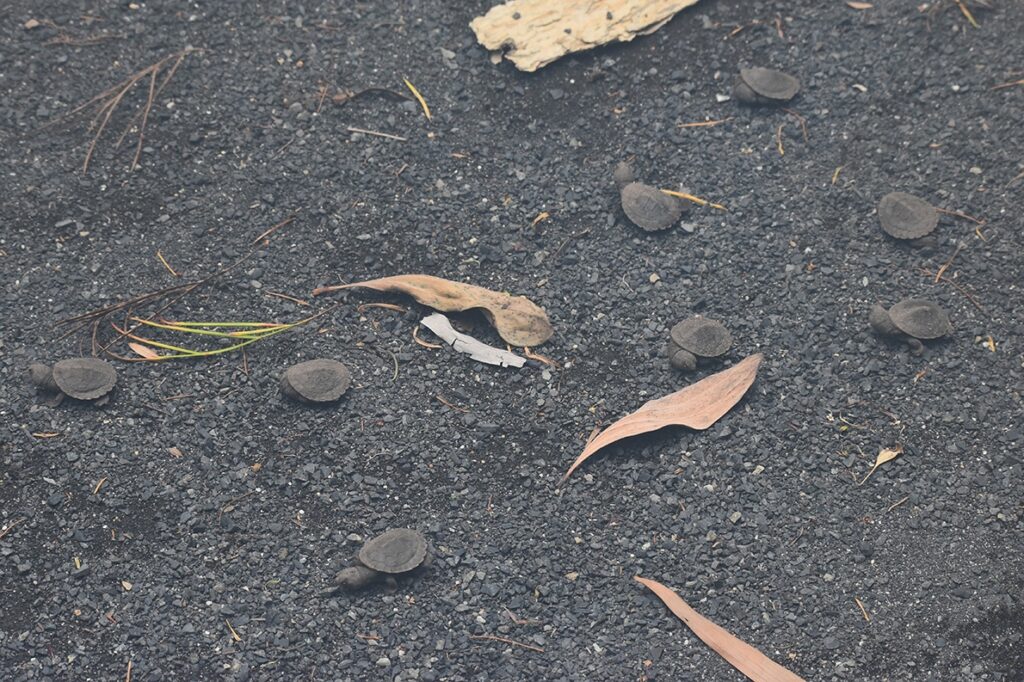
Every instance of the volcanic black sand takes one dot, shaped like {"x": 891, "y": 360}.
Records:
{"x": 214, "y": 564}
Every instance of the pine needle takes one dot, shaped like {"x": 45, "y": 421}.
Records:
{"x": 696, "y": 200}
{"x": 419, "y": 98}
{"x": 167, "y": 265}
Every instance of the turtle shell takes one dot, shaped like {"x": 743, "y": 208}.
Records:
{"x": 920, "y": 319}
{"x": 769, "y": 84}
{"x": 905, "y": 216}
{"x": 316, "y": 381}
{"x": 84, "y": 378}
{"x": 650, "y": 209}
{"x": 396, "y": 551}
{"x": 702, "y": 336}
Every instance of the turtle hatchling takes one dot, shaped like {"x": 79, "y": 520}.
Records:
{"x": 88, "y": 379}
{"x": 397, "y": 551}
{"x": 316, "y": 381}
{"x": 765, "y": 86}
{"x": 647, "y": 207}
{"x": 697, "y": 337}
{"x": 911, "y": 321}
{"x": 906, "y": 217}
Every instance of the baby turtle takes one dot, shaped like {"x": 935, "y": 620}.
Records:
{"x": 647, "y": 207}
{"x": 316, "y": 381}
{"x": 764, "y": 86}
{"x": 904, "y": 216}
{"x": 910, "y": 321}
{"x": 89, "y": 379}
{"x": 697, "y": 337}
{"x": 399, "y": 550}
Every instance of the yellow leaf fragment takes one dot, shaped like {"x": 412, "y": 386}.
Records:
{"x": 859, "y": 5}
{"x": 886, "y": 455}
{"x": 419, "y": 98}
{"x": 991, "y": 343}
{"x": 835, "y": 176}
{"x": 541, "y": 217}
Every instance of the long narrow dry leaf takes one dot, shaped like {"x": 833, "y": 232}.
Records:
{"x": 859, "y": 5}
{"x": 518, "y": 320}
{"x": 697, "y": 406}
{"x": 886, "y": 455}
{"x": 419, "y": 98}
{"x": 735, "y": 651}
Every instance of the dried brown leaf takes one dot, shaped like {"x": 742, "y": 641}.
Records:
{"x": 697, "y": 406}
{"x": 519, "y": 321}
{"x": 740, "y": 655}
{"x": 144, "y": 351}
{"x": 886, "y": 455}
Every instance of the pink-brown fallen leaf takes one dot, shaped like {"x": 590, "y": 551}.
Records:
{"x": 519, "y": 321}
{"x": 735, "y": 651}
{"x": 144, "y": 351}
{"x": 697, "y": 406}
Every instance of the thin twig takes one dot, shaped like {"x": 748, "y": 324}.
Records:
{"x": 945, "y": 266}
{"x": 703, "y": 124}
{"x": 297, "y": 301}
{"x": 275, "y": 228}
{"x": 506, "y": 640}
{"x": 376, "y": 134}
{"x": 958, "y": 214}
{"x": 9, "y": 528}
{"x": 801, "y": 119}
{"x": 568, "y": 239}
{"x": 145, "y": 118}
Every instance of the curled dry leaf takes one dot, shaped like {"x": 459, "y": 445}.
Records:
{"x": 519, "y": 321}
{"x": 735, "y": 651}
{"x": 697, "y": 406}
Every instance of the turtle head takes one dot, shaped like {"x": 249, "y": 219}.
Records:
{"x": 880, "y": 321}
{"x": 355, "y": 577}
{"x": 42, "y": 376}
{"x": 623, "y": 174}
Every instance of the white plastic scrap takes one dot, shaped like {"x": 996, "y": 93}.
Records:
{"x": 464, "y": 343}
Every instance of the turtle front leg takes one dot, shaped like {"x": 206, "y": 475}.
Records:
{"x": 52, "y": 399}
{"x": 682, "y": 359}
{"x": 916, "y": 347}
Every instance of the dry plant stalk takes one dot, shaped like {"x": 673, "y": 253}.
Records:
{"x": 111, "y": 98}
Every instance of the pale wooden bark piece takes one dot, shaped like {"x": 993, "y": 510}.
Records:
{"x": 537, "y": 32}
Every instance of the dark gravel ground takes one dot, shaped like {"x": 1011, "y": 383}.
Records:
{"x": 757, "y": 522}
